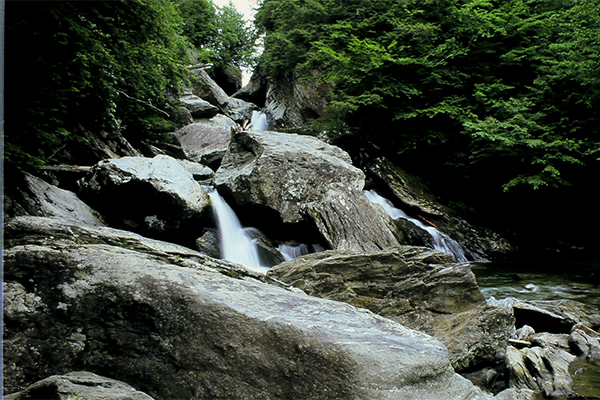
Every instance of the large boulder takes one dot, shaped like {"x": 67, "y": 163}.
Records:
{"x": 153, "y": 196}
{"x": 417, "y": 286}
{"x": 347, "y": 220}
{"x": 79, "y": 385}
{"x": 283, "y": 171}
{"x": 197, "y": 107}
{"x": 206, "y": 140}
{"x": 168, "y": 324}
{"x": 478, "y": 243}
{"x": 34, "y": 196}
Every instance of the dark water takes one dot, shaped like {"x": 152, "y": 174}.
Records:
{"x": 540, "y": 281}
{"x": 549, "y": 281}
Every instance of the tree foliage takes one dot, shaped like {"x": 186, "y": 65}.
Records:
{"x": 501, "y": 90}
{"x": 96, "y": 65}
{"x": 102, "y": 66}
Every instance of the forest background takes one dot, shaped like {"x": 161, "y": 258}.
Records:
{"x": 494, "y": 104}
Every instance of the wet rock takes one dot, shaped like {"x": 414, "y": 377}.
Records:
{"x": 79, "y": 385}
{"x": 283, "y": 171}
{"x": 584, "y": 341}
{"x": 153, "y": 196}
{"x": 544, "y": 370}
{"x": 167, "y": 323}
{"x": 206, "y": 140}
{"x": 416, "y": 286}
{"x": 37, "y": 197}
{"x": 208, "y": 243}
{"x": 478, "y": 243}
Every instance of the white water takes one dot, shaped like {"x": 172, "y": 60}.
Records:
{"x": 441, "y": 241}
{"x": 290, "y": 252}
{"x": 259, "y": 121}
{"x": 236, "y": 245}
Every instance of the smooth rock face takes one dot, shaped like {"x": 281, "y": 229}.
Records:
{"x": 169, "y": 325}
{"x": 79, "y": 385}
{"x": 45, "y": 200}
{"x": 416, "y": 286}
{"x": 154, "y": 196}
{"x": 283, "y": 171}
{"x": 206, "y": 140}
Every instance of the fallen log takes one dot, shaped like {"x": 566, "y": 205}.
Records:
{"x": 518, "y": 342}
{"x": 68, "y": 168}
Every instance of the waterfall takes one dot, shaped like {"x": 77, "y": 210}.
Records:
{"x": 290, "y": 252}
{"x": 259, "y": 121}
{"x": 441, "y": 241}
{"x": 236, "y": 245}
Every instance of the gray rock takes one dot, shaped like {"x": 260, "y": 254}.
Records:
{"x": 170, "y": 326}
{"x": 478, "y": 243}
{"x": 197, "y": 107}
{"x": 584, "y": 341}
{"x": 283, "y": 171}
{"x": 544, "y": 370}
{"x": 155, "y": 196}
{"x": 206, "y": 140}
{"x": 206, "y": 88}
{"x": 556, "y": 316}
{"x": 42, "y": 199}
{"x": 294, "y": 100}
{"x": 80, "y": 385}
{"x": 347, "y": 220}
{"x": 416, "y": 286}
{"x": 208, "y": 243}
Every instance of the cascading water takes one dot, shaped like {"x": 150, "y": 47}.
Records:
{"x": 290, "y": 252}
{"x": 236, "y": 245}
{"x": 259, "y": 121}
{"x": 441, "y": 241}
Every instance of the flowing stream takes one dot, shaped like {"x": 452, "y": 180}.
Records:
{"x": 441, "y": 241}
{"x": 235, "y": 243}
{"x": 259, "y": 121}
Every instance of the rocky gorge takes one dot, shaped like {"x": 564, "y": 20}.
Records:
{"x": 114, "y": 285}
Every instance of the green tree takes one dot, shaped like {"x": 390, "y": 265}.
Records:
{"x": 470, "y": 84}
{"x": 96, "y": 65}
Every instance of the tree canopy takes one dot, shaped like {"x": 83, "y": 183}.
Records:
{"x": 479, "y": 83}
{"x": 102, "y": 66}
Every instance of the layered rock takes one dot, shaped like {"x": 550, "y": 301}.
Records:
{"x": 347, "y": 220}
{"x": 167, "y": 323}
{"x": 154, "y": 196}
{"x": 283, "y": 171}
{"x": 416, "y": 286}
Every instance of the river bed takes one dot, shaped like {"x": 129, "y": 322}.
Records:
{"x": 548, "y": 281}
{"x": 543, "y": 281}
